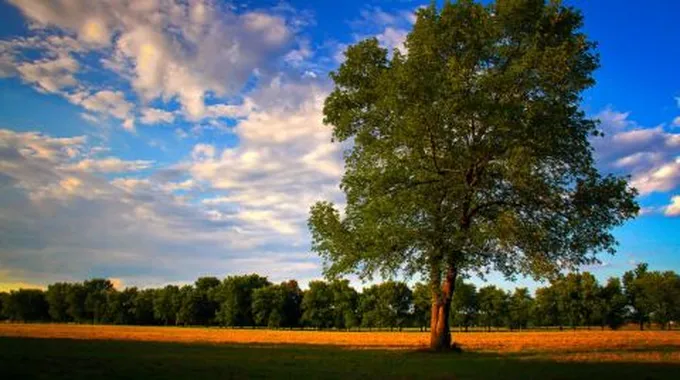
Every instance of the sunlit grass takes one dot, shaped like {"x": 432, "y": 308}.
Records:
{"x": 643, "y": 346}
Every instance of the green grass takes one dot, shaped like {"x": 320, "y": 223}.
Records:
{"x": 25, "y": 358}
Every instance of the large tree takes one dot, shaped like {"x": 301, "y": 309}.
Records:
{"x": 469, "y": 152}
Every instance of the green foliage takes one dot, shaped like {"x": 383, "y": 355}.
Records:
{"x": 469, "y": 151}
{"x": 493, "y": 306}
{"x": 635, "y": 286}
{"x": 385, "y": 305}
{"x": 465, "y": 304}
{"x": 613, "y": 304}
{"x": 548, "y": 307}
{"x": 317, "y": 305}
{"x": 277, "y": 305}
{"x": 345, "y": 304}
{"x": 422, "y": 305}
{"x": 57, "y": 298}
{"x": 96, "y": 290}
{"x": 520, "y": 306}
{"x": 166, "y": 304}
{"x": 26, "y": 305}
{"x": 234, "y": 296}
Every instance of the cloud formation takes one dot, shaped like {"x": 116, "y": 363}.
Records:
{"x": 194, "y": 52}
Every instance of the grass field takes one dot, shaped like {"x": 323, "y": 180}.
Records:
{"x": 87, "y": 352}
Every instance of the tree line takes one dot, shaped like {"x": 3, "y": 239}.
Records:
{"x": 641, "y": 296}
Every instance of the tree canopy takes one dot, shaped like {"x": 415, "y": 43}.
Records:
{"x": 469, "y": 152}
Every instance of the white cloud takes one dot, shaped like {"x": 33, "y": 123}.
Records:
{"x": 50, "y": 75}
{"x": 661, "y": 179}
{"x": 390, "y": 28}
{"x": 649, "y": 155}
{"x": 155, "y": 115}
{"x": 676, "y": 122}
{"x": 165, "y": 49}
{"x": 110, "y": 165}
{"x": 284, "y": 163}
{"x": 673, "y": 209}
{"x": 106, "y": 102}
{"x": 62, "y": 221}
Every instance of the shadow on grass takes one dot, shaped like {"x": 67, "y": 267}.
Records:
{"x": 27, "y": 358}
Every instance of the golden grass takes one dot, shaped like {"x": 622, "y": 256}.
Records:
{"x": 630, "y": 346}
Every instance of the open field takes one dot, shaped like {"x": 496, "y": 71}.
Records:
{"x": 79, "y": 351}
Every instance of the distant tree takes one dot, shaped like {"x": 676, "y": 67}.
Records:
{"x": 547, "y": 310}
{"x": 292, "y": 303}
{"x": 368, "y": 309}
{"x": 520, "y": 305}
{"x": 277, "y": 305}
{"x": 469, "y": 151}
{"x": 663, "y": 291}
{"x": 317, "y": 305}
{"x": 190, "y": 302}
{"x": 421, "y": 305}
{"x": 465, "y": 304}
{"x": 266, "y": 306}
{"x": 590, "y": 302}
{"x": 394, "y": 304}
{"x": 207, "y": 305}
{"x": 57, "y": 299}
{"x": 635, "y": 289}
{"x": 493, "y": 305}
{"x": 166, "y": 304}
{"x": 96, "y": 291}
{"x": 4, "y": 301}
{"x": 27, "y": 305}
{"x": 345, "y": 304}
{"x": 143, "y": 306}
{"x": 612, "y": 304}
{"x": 570, "y": 296}
{"x": 234, "y": 296}
{"x": 386, "y": 305}
{"x": 76, "y": 303}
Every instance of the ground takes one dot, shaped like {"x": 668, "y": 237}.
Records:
{"x": 90, "y": 352}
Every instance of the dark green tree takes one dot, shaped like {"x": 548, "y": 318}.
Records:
{"x": 317, "y": 305}
{"x": 234, "y": 296}
{"x": 166, "y": 304}
{"x": 635, "y": 285}
{"x": 493, "y": 306}
{"x": 520, "y": 305}
{"x": 142, "y": 306}
{"x": 207, "y": 305}
{"x": 421, "y": 305}
{"x": 469, "y": 152}
{"x": 546, "y": 310}
{"x": 27, "y": 305}
{"x": 612, "y": 304}
{"x": 190, "y": 302}
{"x": 76, "y": 303}
{"x": 4, "y": 301}
{"x": 345, "y": 304}
{"x": 96, "y": 291}
{"x": 663, "y": 292}
{"x": 465, "y": 304}
{"x": 57, "y": 299}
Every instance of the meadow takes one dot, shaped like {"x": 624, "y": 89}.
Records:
{"x": 86, "y": 351}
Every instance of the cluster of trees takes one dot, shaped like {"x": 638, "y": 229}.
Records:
{"x": 576, "y": 299}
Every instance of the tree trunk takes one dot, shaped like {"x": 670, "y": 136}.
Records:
{"x": 440, "y": 333}
{"x": 642, "y": 325}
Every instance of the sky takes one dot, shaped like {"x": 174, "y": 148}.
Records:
{"x": 156, "y": 141}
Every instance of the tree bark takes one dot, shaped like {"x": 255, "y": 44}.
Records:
{"x": 440, "y": 332}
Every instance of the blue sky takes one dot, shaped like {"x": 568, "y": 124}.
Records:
{"x": 157, "y": 141}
